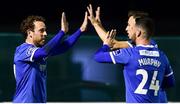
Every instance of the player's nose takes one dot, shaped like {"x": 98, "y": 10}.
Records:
{"x": 45, "y": 33}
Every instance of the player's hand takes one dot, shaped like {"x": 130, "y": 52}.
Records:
{"x": 85, "y": 23}
{"x": 98, "y": 15}
{"x": 64, "y": 23}
{"x": 91, "y": 17}
{"x": 110, "y": 38}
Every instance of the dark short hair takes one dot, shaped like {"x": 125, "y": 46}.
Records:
{"x": 28, "y": 24}
{"x": 137, "y": 14}
{"x": 147, "y": 24}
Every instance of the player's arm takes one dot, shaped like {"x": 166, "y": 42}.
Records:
{"x": 53, "y": 43}
{"x": 71, "y": 40}
{"x": 105, "y": 55}
{"x": 169, "y": 80}
{"x": 102, "y": 55}
{"x": 120, "y": 44}
{"x": 96, "y": 22}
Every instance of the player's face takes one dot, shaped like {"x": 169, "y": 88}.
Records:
{"x": 131, "y": 29}
{"x": 39, "y": 33}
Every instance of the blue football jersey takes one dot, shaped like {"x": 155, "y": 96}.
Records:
{"x": 30, "y": 67}
{"x": 144, "y": 69}
{"x": 30, "y": 75}
{"x": 162, "y": 92}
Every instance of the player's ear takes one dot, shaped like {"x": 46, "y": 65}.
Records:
{"x": 138, "y": 33}
{"x": 29, "y": 33}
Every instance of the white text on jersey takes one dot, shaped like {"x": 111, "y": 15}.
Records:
{"x": 149, "y": 61}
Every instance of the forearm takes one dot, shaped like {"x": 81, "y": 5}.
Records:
{"x": 49, "y": 47}
{"x": 120, "y": 44}
{"x": 100, "y": 30}
{"x": 102, "y": 34}
{"x": 102, "y": 55}
{"x": 68, "y": 43}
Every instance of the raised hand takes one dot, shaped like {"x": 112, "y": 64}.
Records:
{"x": 110, "y": 37}
{"x": 85, "y": 23}
{"x": 91, "y": 15}
{"x": 64, "y": 23}
{"x": 98, "y": 15}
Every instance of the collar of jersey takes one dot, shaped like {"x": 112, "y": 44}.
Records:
{"x": 149, "y": 46}
{"x": 30, "y": 44}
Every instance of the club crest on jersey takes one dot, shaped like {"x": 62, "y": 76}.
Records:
{"x": 30, "y": 50}
{"x": 117, "y": 52}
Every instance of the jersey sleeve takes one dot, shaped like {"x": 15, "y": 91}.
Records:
{"x": 120, "y": 56}
{"x": 105, "y": 55}
{"x": 50, "y": 47}
{"x": 26, "y": 53}
{"x": 102, "y": 55}
{"x": 67, "y": 43}
{"x": 169, "y": 79}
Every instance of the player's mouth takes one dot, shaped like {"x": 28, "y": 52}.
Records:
{"x": 43, "y": 39}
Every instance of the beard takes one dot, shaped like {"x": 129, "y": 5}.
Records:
{"x": 40, "y": 43}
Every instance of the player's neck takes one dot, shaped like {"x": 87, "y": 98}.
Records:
{"x": 140, "y": 41}
{"x": 29, "y": 41}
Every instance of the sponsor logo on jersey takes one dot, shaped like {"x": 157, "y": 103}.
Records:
{"x": 149, "y": 53}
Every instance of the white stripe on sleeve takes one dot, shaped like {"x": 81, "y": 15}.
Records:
{"x": 112, "y": 57}
{"x": 31, "y": 58}
{"x": 169, "y": 74}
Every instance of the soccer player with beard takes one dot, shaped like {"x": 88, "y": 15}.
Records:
{"x": 30, "y": 58}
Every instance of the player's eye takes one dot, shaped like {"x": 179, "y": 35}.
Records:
{"x": 42, "y": 30}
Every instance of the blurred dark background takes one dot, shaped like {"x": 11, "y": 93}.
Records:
{"x": 113, "y": 13}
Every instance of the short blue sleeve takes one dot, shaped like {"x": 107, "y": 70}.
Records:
{"x": 121, "y": 56}
{"x": 25, "y": 52}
